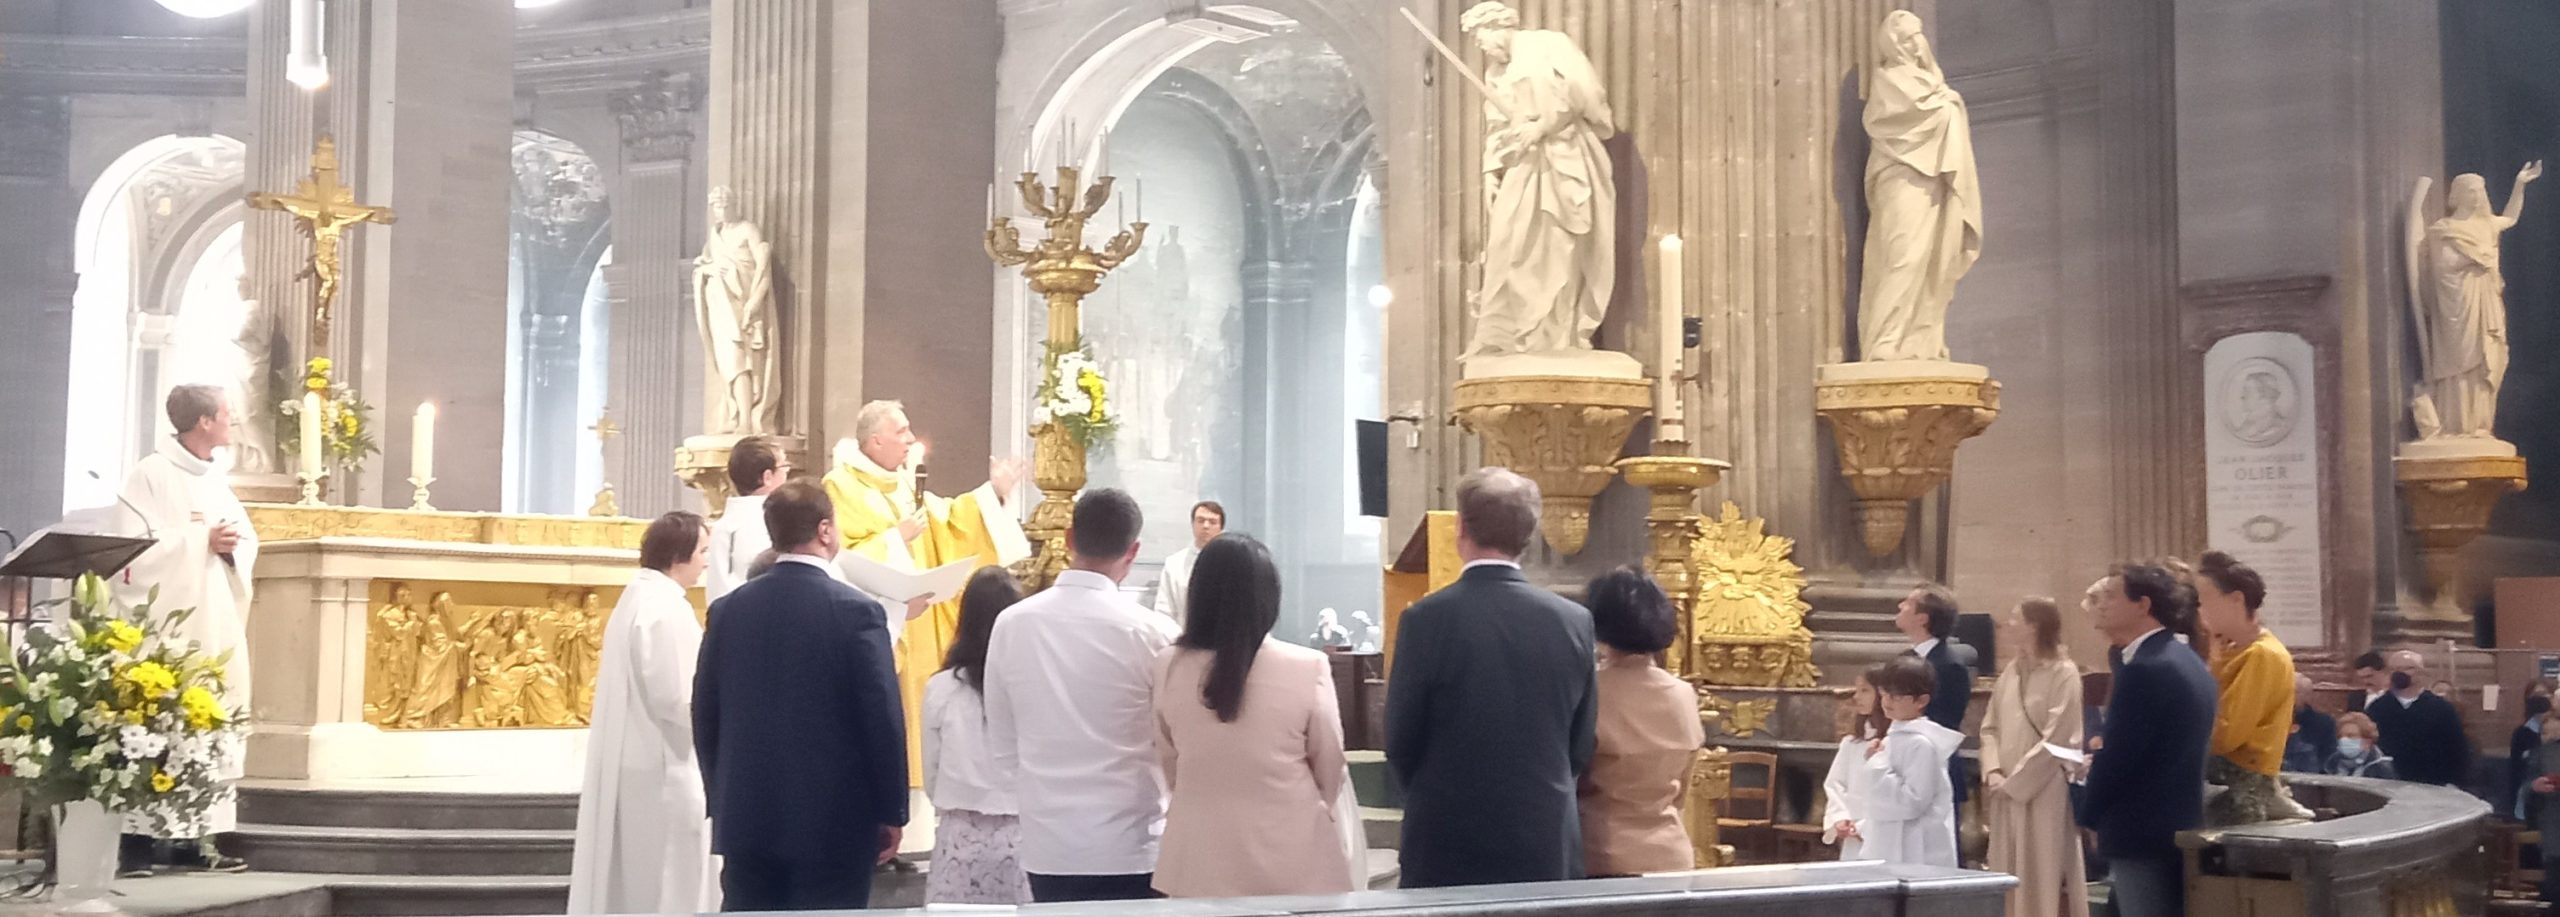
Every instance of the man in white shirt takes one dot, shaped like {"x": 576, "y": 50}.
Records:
{"x": 1070, "y": 712}
{"x": 756, "y": 467}
{"x": 1173, "y": 587}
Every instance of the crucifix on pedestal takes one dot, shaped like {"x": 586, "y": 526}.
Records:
{"x": 605, "y": 430}
{"x": 323, "y": 208}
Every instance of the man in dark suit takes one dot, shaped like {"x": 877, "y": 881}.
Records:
{"x": 2315, "y": 734}
{"x": 2147, "y": 783}
{"x": 797, "y": 725}
{"x": 1927, "y": 617}
{"x": 2421, "y": 731}
{"x": 1491, "y": 707}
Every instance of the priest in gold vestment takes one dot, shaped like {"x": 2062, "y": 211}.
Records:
{"x": 884, "y": 518}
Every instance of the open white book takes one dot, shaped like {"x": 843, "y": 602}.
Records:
{"x": 892, "y": 585}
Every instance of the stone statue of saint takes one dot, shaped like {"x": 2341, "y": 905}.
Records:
{"x": 2460, "y": 295}
{"x": 1924, "y": 199}
{"x": 1550, "y": 259}
{"x": 733, "y": 298}
{"x": 253, "y": 419}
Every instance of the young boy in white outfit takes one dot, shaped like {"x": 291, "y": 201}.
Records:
{"x": 1910, "y": 812}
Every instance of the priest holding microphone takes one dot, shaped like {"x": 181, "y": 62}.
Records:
{"x": 882, "y": 516}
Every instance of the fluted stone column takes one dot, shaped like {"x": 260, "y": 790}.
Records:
{"x": 36, "y": 281}
{"x": 279, "y": 155}
{"x": 651, "y": 325}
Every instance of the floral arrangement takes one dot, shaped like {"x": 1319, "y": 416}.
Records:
{"x": 346, "y": 420}
{"x": 1074, "y": 395}
{"x": 108, "y": 704}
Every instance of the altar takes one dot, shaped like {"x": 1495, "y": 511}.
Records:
{"x": 422, "y": 644}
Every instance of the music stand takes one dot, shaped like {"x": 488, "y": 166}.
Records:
{"x": 56, "y": 554}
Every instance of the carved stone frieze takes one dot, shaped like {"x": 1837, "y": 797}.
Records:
{"x": 1563, "y": 432}
{"x": 443, "y": 665}
{"x": 657, "y": 117}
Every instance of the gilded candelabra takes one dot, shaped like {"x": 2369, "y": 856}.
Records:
{"x": 1675, "y": 478}
{"x": 1063, "y": 270}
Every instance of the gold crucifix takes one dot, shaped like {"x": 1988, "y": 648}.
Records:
{"x": 323, "y": 208}
{"x": 605, "y": 430}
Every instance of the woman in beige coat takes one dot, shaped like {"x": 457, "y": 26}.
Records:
{"x": 2035, "y": 703}
{"x": 1251, "y": 741}
{"x": 1647, "y": 734}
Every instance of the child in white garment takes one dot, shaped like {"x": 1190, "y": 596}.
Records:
{"x": 1844, "y": 790}
{"x": 1910, "y": 806}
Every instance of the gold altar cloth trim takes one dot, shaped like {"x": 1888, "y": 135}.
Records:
{"x": 282, "y": 522}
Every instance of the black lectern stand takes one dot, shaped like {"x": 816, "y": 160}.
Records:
{"x": 53, "y": 554}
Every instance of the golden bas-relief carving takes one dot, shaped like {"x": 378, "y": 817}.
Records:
{"x": 446, "y": 665}
{"x": 1747, "y": 622}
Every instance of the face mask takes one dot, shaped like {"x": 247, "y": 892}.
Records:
{"x": 2400, "y": 681}
{"x": 2351, "y": 747}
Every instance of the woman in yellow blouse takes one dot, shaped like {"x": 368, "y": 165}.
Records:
{"x": 2255, "y": 672}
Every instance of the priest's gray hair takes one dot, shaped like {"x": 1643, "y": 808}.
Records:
{"x": 875, "y": 417}
{"x": 1489, "y": 14}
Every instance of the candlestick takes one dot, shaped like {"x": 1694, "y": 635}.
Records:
{"x": 310, "y": 436}
{"x": 422, "y": 443}
{"x": 991, "y": 202}
{"x": 1669, "y": 311}
{"x": 418, "y": 496}
{"x": 310, "y": 487}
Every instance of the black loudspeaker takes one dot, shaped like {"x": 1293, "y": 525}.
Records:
{"x": 1370, "y": 438}
{"x": 1977, "y": 631}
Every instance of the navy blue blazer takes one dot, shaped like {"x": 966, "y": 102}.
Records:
{"x": 1490, "y": 717}
{"x": 2147, "y": 783}
{"x": 797, "y": 722}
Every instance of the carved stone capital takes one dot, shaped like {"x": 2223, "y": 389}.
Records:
{"x": 657, "y": 117}
{"x": 2450, "y": 498}
{"x": 1563, "y": 432}
{"x": 1897, "y": 436}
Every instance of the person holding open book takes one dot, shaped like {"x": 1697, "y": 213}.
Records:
{"x": 2035, "y": 704}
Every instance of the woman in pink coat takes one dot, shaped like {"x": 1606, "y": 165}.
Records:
{"x": 1251, "y": 742}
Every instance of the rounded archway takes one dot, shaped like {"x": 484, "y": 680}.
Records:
{"x": 558, "y": 320}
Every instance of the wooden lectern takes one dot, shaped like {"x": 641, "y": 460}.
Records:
{"x": 1428, "y": 562}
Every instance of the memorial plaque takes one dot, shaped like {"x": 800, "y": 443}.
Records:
{"x": 2262, "y": 467}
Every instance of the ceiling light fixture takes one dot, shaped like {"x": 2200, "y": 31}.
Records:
{"x": 205, "y": 9}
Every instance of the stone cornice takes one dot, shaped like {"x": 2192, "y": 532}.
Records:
{"x": 601, "y": 54}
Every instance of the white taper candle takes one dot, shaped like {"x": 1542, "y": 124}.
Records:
{"x": 422, "y": 443}
{"x": 311, "y": 434}
{"x": 1668, "y": 310}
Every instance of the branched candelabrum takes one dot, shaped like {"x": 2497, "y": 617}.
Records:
{"x": 1062, "y": 269}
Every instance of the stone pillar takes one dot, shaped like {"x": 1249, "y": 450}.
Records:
{"x": 430, "y": 319}
{"x": 651, "y": 322}
{"x": 36, "y": 281}
{"x": 279, "y": 156}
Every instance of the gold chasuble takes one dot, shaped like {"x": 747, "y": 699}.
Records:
{"x": 869, "y": 502}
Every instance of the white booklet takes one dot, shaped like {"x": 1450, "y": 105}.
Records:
{"x": 895, "y": 586}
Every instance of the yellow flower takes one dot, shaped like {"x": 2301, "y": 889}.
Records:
{"x": 122, "y": 637}
{"x": 161, "y": 782}
{"x": 150, "y": 678}
{"x": 133, "y": 717}
{"x": 203, "y": 711}
{"x": 26, "y": 722}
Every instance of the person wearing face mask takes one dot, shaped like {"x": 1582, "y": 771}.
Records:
{"x": 2420, "y": 729}
{"x": 2359, "y": 751}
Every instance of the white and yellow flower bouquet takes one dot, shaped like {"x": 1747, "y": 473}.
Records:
{"x": 1074, "y": 395}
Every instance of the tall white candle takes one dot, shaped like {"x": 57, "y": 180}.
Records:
{"x": 422, "y": 443}
{"x": 1669, "y": 310}
{"x": 311, "y": 433}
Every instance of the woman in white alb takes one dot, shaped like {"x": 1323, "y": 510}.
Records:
{"x": 977, "y": 830}
{"x": 644, "y": 842}
{"x": 1845, "y": 788}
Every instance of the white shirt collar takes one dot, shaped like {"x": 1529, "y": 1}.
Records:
{"x": 1490, "y": 562}
{"x": 1086, "y": 579}
{"x": 814, "y": 561}
{"x": 1922, "y": 648}
{"x": 2136, "y": 646}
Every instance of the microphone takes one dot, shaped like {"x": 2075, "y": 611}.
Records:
{"x": 148, "y": 533}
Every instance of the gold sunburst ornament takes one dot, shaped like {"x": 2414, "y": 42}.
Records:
{"x": 1747, "y": 624}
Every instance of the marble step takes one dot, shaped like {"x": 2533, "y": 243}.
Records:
{"x": 417, "y": 896}
{"x": 377, "y": 807}
{"x": 1383, "y": 827}
{"x": 406, "y": 851}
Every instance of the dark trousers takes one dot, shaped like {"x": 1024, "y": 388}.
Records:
{"x": 1047, "y": 889}
{"x": 770, "y": 884}
{"x": 2147, "y": 888}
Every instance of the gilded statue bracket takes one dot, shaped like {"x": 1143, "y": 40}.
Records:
{"x": 2450, "y": 497}
{"x": 1564, "y": 432}
{"x": 1897, "y": 428}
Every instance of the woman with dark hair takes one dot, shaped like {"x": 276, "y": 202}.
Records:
{"x": 978, "y": 826}
{"x": 2035, "y": 706}
{"x": 2255, "y": 712}
{"x": 643, "y": 844}
{"x": 1646, "y": 735}
{"x": 1251, "y": 741}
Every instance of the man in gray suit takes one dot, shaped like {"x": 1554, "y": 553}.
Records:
{"x": 1490, "y": 708}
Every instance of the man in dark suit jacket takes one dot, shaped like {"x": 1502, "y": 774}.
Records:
{"x": 2420, "y": 731}
{"x": 1490, "y": 708}
{"x": 1927, "y": 617}
{"x": 2315, "y": 734}
{"x": 797, "y": 725}
{"x": 2147, "y": 783}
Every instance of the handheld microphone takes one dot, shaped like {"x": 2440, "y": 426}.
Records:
{"x": 148, "y": 533}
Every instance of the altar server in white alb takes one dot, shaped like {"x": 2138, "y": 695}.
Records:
{"x": 643, "y": 842}
{"x": 206, "y": 551}
{"x": 756, "y": 467}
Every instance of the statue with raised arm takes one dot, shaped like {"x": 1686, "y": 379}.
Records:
{"x": 733, "y": 300}
{"x": 1550, "y": 260}
{"x": 2459, "y": 295}
{"x": 1924, "y": 199}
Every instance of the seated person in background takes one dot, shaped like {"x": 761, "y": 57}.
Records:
{"x": 2315, "y": 734}
{"x": 1911, "y": 809}
{"x": 2359, "y": 751}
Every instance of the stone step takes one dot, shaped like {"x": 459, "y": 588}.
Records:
{"x": 1372, "y": 781}
{"x": 369, "y": 807}
{"x": 1384, "y": 827}
{"x": 406, "y": 851}
{"x": 381, "y": 896}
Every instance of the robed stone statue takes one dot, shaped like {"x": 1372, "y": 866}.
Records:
{"x": 733, "y": 299}
{"x": 2460, "y": 295}
{"x": 1550, "y": 200}
{"x": 1924, "y": 199}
